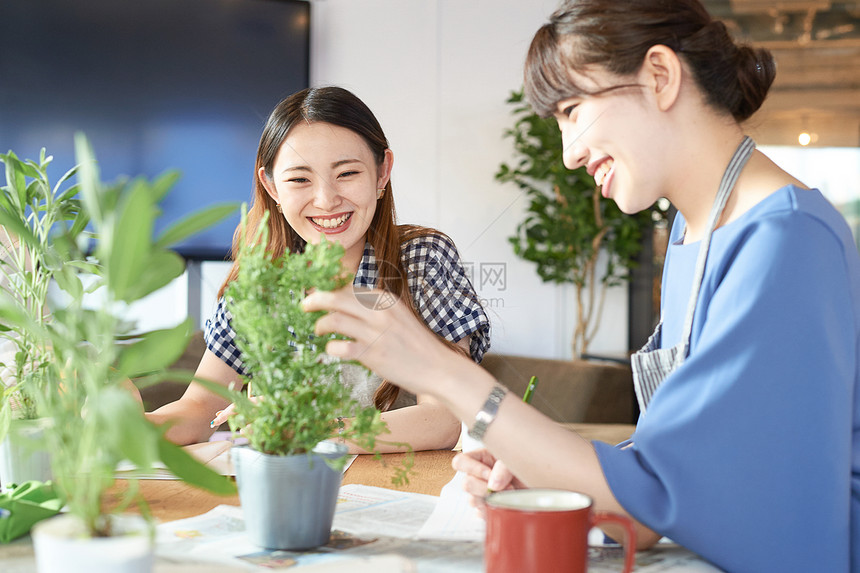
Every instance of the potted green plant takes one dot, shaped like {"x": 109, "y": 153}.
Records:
{"x": 96, "y": 421}
{"x": 293, "y": 416}
{"x": 32, "y": 211}
{"x": 568, "y": 224}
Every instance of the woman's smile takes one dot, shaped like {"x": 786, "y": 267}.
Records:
{"x": 603, "y": 175}
{"x": 332, "y": 224}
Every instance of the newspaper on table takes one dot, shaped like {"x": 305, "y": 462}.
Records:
{"x": 380, "y": 530}
{"x": 373, "y": 527}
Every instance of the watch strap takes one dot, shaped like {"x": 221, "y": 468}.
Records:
{"x": 488, "y": 411}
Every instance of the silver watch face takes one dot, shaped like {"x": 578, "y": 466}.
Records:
{"x": 488, "y": 412}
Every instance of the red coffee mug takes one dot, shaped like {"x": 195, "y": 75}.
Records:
{"x": 545, "y": 530}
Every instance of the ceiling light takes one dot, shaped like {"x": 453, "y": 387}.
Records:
{"x": 807, "y": 137}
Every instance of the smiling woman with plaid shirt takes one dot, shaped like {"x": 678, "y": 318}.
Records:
{"x": 324, "y": 165}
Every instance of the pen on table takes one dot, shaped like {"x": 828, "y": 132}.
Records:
{"x": 527, "y": 398}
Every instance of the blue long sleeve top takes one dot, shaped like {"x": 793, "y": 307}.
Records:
{"x": 749, "y": 453}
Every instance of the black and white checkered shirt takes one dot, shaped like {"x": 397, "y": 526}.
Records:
{"x": 440, "y": 289}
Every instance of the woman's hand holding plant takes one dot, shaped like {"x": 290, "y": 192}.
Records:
{"x": 391, "y": 341}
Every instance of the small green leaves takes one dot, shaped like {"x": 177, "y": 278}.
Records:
{"x": 301, "y": 396}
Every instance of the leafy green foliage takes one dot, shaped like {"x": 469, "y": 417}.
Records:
{"x": 96, "y": 421}
{"x": 299, "y": 398}
{"x": 32, "y": 213}
{"x": 568, "y": 223}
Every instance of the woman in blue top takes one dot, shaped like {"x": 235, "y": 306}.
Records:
{"x": 748, "y": 448}
{"x": 323, "y": 168}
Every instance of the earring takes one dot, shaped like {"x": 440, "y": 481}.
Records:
{"x": 380, "y": 192}
{"x": 278, "y": 207}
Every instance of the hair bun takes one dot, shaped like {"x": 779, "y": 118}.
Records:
{"x": 756, "y": 72}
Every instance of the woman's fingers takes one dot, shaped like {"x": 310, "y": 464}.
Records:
{"x": 390, "y": 340}
{"x": 343, "y": 349}
{"x": 221, "y": 416}
{"x": 500, "y": 477}
{"x": 484, "y": 474}
{"x": 476, "y": 463}
{"x": 481, "y": 469}
{"x": 476, "y": 467}
{"x": 346, "y": 316}
{"x": 341, "y": 300}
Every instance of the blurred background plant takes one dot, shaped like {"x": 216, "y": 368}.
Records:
{"x": 32, "y": 213}
{"x": 571, "y": 233}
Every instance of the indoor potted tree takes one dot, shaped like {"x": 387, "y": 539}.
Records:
{"x": 568, "y": 224}
{"x": 97, "y": 422}
{"x": 31, "y": 212}
{"x": 293, "y": 414}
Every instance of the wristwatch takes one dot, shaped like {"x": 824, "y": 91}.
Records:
{"x": 487, "y": 412}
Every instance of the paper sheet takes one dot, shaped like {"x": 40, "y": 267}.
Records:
{"x": 216, "y": 455}
{"x": 374, "y": 511}
{"x": 453, "y": 518}
{"x": 373, "y": 531}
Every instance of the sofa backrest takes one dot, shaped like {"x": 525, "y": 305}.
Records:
{"x": 570, "y": 391}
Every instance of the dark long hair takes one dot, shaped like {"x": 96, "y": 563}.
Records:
{"x": 336, "y": 106}
{"x": 617, "y": 34}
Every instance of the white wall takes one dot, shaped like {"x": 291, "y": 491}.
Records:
{"x": 437, "y": 74}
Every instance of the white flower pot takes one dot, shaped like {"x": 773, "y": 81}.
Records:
{"x": 21, "y": 457}
{"x": 288, "y": 501}
{"x": 63, "y": 546}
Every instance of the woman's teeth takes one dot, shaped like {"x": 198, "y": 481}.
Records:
{"x": 602, "y": 171}
{"x": 331, "y": 223}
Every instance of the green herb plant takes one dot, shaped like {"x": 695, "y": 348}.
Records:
{"x": 96, "y": 420}
{"x": 298, "y": 399}
{"x": 32, "y": 212}
{"x": 568, "y": 224}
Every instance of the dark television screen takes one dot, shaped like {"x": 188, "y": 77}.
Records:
{"x": 155, "y": 85}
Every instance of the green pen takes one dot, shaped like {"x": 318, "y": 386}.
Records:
{"x": 527, "y": 396}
